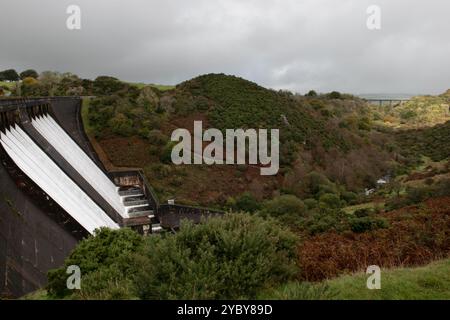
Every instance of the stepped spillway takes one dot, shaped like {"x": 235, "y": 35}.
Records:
{"x": 80, "y": 161}
{"x": 36, "y": 164}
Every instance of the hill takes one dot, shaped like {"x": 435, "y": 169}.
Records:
{"x": 419, "y": 112}
{"x": 430, "y": 282}
{"x": 331, "y": 135}
{"x": 432, "y": 142}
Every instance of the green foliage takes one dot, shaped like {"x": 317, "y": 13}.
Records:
{"x": 121, "y": 125}
{"x": 330, "y": 200}
{"x": 430, "y": 282}
{"x": 349, "y": 197}
{"x": 166, "y": 153}
{"x": 310, "y": 203}
{"x": 237, "y": 103}
{"x": 419, "y": 194}
{"x": 432, "y": 142}
{"x": 246, "y": 202}
{"x": 103, "y": 259}
{"x": 301, "y": 291}
{"x": 105, "y": 85}
{"x": 311, "y": 93}
{"x": 30, "y": 73}
{"x": 284, "y": 205}
{"x": 325, "y": 219}
{"x": 232, "y": 257}
{"x": 368, "y": 223}
{"x": 9, "y": 75}
{"x": 334, "y": 95}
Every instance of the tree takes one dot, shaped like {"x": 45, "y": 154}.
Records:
{"x": 335, "y": 95}
{"x": 105, "y": 85}
{"x": 9, "y": 75}
{"x": 311, "y": 93}
{"x": 30, "y": 73}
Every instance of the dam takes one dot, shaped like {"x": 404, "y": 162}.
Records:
{"x": 54, "y": 191}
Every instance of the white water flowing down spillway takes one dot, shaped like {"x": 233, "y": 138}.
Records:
{"x": 80, "y": 161}
{"x": 37, "y": 165}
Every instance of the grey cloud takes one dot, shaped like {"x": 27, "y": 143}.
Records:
{"x": 293, "y": 44}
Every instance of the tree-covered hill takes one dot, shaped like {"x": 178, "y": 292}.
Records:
{"x": 330, "y": 134}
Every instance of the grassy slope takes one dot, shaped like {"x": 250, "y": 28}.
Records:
{"x": 428, "y": 282}
{"x": 431, "y": 142}
{"x": 160, "y": 87}
{"x": 10, "y": 85}
{"x": 419, "y": 112}
{"x": 84, "y": 115}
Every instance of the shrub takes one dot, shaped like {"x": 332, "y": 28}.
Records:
{"x": 284, "y": 205}
{"x": 102, "y": 258}
{"x": 30, "y": 73}
{"x": 232, "y": 257}
{"x": 366, "y": 223}
{"x": 334, "y": 95}
{"x": 364, "y": 212}
{"x": 10, "y": 75}
{"x": 105, "y": 85}
{"x": 246, "y": 202}
{"x": 350, "y": 197}
{"x": 121, "y": 125}
{"x": 330, "y": 200}
{"x": 157, "y": 137}
{"x": 166, "y": 153}
{"x": 310, "y": 203}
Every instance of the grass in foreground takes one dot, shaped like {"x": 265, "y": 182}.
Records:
{"x": 430, "y": 282}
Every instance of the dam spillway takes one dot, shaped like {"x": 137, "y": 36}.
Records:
{"x": 54, "y": 191}
{"x": 78, "y": 159}
{"x": 47, "y": 175}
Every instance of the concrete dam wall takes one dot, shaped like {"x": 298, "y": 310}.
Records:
{"x": 54, "y": 191}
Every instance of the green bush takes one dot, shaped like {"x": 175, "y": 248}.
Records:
{"x": 232, "y": 257}
{"x": 326, "y": 219}
{"x": 334, "y": 95}
{"x": 331, "y": 200}
{"x": 121, "y": 125}
{"x": 311, "y": 93}
{"x": 364, "y": 212}
{"x": 246, "y": 202}
{"x": 30, "y": 73}
{"x": 284, "y": 205}
{"x": 349, "y": 197}
{"x": 310, "y": 203}
{"x": 103, "y": 258}
{"x": 367, "y": 223}
{"x": 105, "y": 85}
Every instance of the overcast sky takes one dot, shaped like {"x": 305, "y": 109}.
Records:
{"x": 294, "y": 44}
